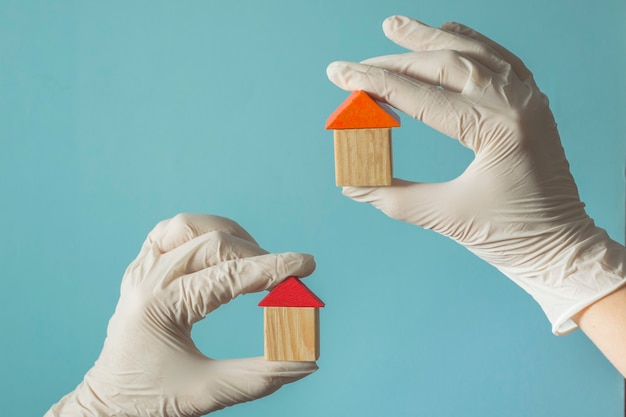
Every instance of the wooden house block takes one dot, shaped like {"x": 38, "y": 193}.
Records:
{"x": 363, "y": 155}
{"x": 292, "y": 333}
{"x": 291, "y": 322}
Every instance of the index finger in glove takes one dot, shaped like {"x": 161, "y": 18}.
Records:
{"x": 448, "y": 69}
{"x": 204, "y": 291}
{"x": 205, "y": 251}
{"x": 172, "y": 233}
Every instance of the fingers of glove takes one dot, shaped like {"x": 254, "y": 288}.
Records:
{"x": 522, "y": 72}
{"x": 417, "y": 36}
{"x": 233, "y": 381}
{"x": 444, "y": 68}
{"x": 202, "y": 292}
{"x": 174, "y": 232}
{"x": 439, "y": 108}
{"x": 204, "y": 251}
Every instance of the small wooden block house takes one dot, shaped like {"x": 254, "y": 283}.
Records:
{"x": 291, "y": 322}
{"x": 362, "y": 130}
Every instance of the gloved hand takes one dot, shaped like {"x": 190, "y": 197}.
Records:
{"x": 149, "y": 366}
{"x": 516, "y": 205}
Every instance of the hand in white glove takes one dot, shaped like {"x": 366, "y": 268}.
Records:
{"x": 149, "y": 366}
{"x": 516, "y": 205}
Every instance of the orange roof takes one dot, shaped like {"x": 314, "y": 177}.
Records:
{"x": 360, "y": 111}
{"x": 291, "y": 293}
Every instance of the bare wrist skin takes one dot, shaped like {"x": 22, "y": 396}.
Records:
{"x": 604, "y": 322}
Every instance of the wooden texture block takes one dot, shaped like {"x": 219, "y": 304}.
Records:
{"x": 291, "y": 333}
{"x": 363, "y": 157}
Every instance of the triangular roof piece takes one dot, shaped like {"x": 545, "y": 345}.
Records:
{"x": 291, "y": 293}
{"x": 360, "y": 111}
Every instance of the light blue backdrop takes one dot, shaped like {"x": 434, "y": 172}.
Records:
{"x": 117, "y": 114}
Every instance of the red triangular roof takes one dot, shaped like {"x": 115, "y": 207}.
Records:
{"x": 291, "y": 293}
{"x": 360, "y": 111}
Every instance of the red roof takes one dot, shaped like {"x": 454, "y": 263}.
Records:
{"x": 291, "y": 293}
{"x": 360, "y": 111}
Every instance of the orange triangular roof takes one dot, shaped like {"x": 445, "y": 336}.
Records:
{"x": 360, "y": 111}
{"x": 291, "y": 293}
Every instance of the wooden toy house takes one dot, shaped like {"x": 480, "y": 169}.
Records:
{"x": 362, "y": 131}
{"x": 291, "y": 322}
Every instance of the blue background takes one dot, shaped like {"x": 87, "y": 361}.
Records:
{"x": 117, "y": 114}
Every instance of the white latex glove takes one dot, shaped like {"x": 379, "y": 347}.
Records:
{"x": 149, "y": 366}
{"x": 516, "y": 205}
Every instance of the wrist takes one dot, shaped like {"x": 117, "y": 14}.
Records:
{"x": 595, "y": 268}
{"x": 603, "y": 323}
{"x": 566, "y": 269}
